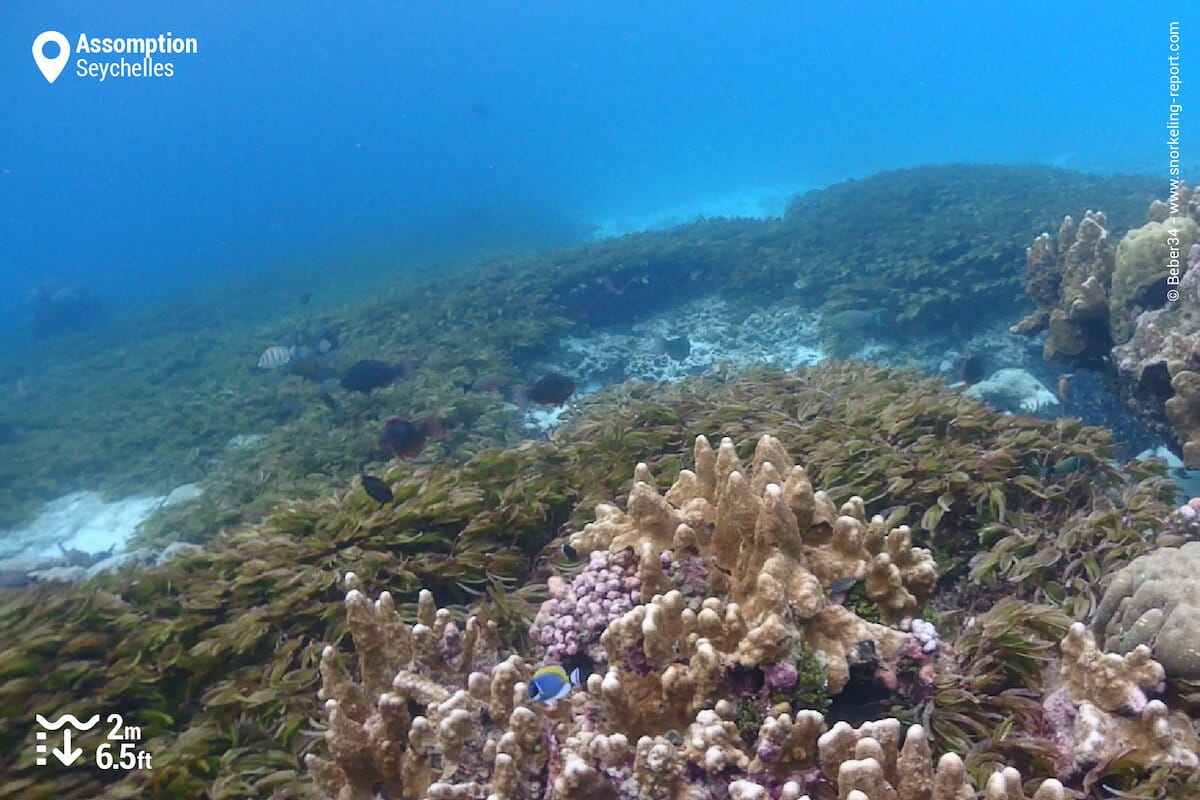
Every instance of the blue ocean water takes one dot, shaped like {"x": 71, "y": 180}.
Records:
{"x": 332, "y": 142}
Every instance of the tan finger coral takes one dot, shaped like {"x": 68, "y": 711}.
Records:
{"x": 772, "y": 549}
{"x": 376, "y": 742}
{"x": 1070, "y": 283}
{"x": 697, "y": 695}
{"x": 449, "y": 727}
{"x": 1103, "y": 711}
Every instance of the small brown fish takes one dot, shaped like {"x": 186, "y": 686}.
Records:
{"x": 404, "y": 439}
{"x": 676, "y": 349}
{"x": 1064, "y": 388}
{"x": 552, "y": 389}
{"x": 376, "y": 489}
{"x": 370, "y": 374}
{"x": 972, "y": 370}
{"x": 488, "y": 382}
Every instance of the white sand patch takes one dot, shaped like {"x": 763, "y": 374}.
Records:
{"x": 749, "y": 203}
{"x": 79, "y": 521}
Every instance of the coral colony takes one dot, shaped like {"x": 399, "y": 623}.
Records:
{"x": 1103, "y": 301}
{"x": 701, "y": 608}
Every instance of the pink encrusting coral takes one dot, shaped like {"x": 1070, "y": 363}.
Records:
{"x": 571, "y": 621}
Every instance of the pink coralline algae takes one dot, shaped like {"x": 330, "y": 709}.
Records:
{"x": 1058, "y": 721}
{"x": 780, "y": 677}
{"x": 571, "y": 621}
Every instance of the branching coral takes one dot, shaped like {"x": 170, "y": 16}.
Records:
{"x": 771, "y": 548}
{"x": 1070, "y": 284}
{"x": 453, "y": 674}
{"x": 463, "y": 729}
{"x": 696, "y": 692}
{"x": 1103, "y": 712}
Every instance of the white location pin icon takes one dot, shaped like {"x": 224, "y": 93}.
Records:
{"x": 51, "y": 67}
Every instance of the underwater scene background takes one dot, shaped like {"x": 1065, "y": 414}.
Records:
{"x": 693, "y": 401}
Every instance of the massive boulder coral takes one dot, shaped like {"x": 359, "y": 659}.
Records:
{"x": 1154, "y": 601}
{"x": 1139, "y": 281}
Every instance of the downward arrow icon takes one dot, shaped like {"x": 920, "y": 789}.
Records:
{"x": 67, "y": 756}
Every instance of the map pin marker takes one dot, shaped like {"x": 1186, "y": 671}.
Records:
{"x": 51, "y": 67}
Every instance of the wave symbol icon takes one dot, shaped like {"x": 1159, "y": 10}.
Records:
{"x": 64, "y": 719}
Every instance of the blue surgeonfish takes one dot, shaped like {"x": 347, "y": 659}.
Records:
{"x": 553, "y": 683}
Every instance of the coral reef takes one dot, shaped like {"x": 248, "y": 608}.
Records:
{"x": 665, "y": 714}
{"x": 1154, "y": 601}
{"x": 1159, "y": 365}
{"x": 211, "y": 654}
{"x": 763, "y": 550}
{"x": 1099, "y": 303}
{"x": 758, "y": 552}
{"x": 1069, "y": 281}
{"x": 1090, "y": 294}
{"x": 437, "y": 714}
